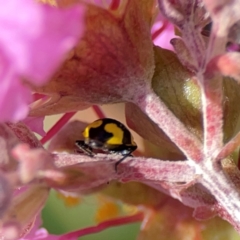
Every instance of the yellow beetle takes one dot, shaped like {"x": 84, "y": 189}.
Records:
{"x": 108, "y": 135}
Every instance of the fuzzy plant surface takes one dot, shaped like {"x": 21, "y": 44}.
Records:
{"x": 175, "y": 65}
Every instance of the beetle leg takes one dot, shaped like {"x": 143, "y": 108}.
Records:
{"x": 85, "y": 148}
{"x": 119, "y": 161}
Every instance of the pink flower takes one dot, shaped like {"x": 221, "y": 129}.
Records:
{"x": 163, "y": 39}
{"x": 35, "y": 124}
{"x": 33, "y": 41}
{"x": 162, "y": 32}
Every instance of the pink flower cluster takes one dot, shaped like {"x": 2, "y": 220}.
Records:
{"x": 34, "y": 38}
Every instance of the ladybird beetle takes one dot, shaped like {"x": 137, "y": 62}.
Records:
{"x": 108, "y": 135}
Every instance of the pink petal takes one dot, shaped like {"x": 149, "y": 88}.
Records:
{"x": 35, "y": 37}
{"x": 35, "y": 124}
{"x": 5, "y": 194}
{"x": 14, "y": 97}
{"x": 35, "y": 232}
{"x": 163, "y": 40}
{"x": 33, "y": 41}
{"x": 20, "y": 216}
